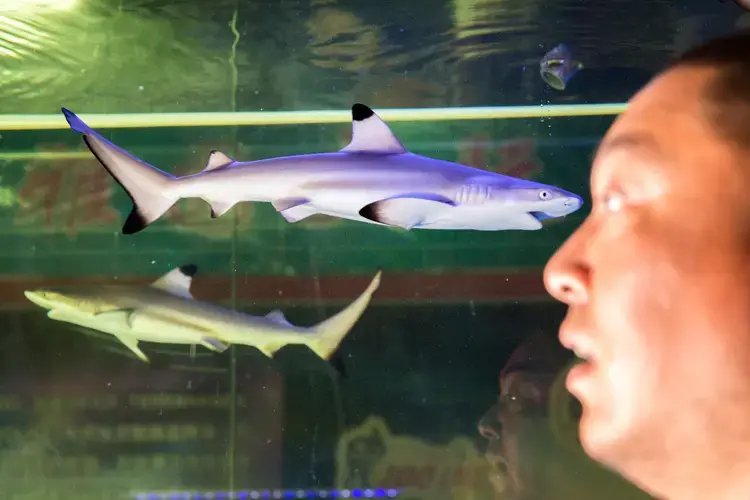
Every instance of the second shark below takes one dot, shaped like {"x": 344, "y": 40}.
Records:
{"x": 166, "y": 312}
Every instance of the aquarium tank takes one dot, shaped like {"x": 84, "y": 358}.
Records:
{"x": 181, "y": 323}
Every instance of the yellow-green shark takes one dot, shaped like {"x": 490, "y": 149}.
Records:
{"x": 166, "y": 312}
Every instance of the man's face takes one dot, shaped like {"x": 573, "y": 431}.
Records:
{"x": 516, "y": 428}
{"x": 658, "y": 284}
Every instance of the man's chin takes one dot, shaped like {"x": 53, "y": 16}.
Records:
{"x": 600, "y": 438}
{"x": 501, "y": 480}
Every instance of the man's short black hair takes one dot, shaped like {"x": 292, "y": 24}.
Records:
{"x": 729, "y": 95}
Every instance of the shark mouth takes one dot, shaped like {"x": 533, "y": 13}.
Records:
{"x": 540, "y": 216}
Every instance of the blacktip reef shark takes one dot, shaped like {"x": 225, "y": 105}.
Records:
{"x": 166, "y": 312}
{"x": 373, "y": 179}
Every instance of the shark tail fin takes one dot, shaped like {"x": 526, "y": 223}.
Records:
{"x": 330, "y": 333}
{"x": 150, "y": 189}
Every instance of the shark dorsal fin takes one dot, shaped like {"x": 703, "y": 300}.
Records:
{"x": 177, "y": 281}
{"x": 217, "y": 159}
{"x": 278, "y": 317}
{"x": 370, "y": 134}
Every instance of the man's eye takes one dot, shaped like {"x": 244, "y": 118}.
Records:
{"x": 613, "y": 202}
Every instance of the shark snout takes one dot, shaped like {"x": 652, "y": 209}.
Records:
{"x": 38, "y": 298}
{"x": 571, "y": 202}
{"x": 574, "y": 202}
{"x": 50, "y": 300}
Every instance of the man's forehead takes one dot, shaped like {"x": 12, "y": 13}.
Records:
{"x": 660, "y": 126}
{"x": 656, "y": 110}
{"x": 659, "y": 136}
{"x": 626, "y": 153}
{"x": 629, "y": 141}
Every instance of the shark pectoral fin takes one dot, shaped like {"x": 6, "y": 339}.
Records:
{"x": 219, "y": 208}
{"x": 296, "y": 214}
{"x": 59, "y": 315}
{"x": 119, "y": 316}
{"x": 217, "y": 159}
{"x": 269, "y": 349}
{"x": 278, "y": 317}
{"x": 213, "y": 344}
{"x": 90, "y": 332}
{"x": 286, "y": 203}
{"x": 132, "y": 344}
{"x": 266, "y": 351}
{"x": 524, "y": 221}
{"x": 294, "y": 209}
{"x": 405, "y": 211}
{"x": 370, "y": 134}
{"x": 177, "y": 281}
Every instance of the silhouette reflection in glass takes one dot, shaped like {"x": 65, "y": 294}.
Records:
{"x": 532, "y": 432}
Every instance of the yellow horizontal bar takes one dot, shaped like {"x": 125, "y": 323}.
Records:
{"x": 45, "y": 155}
{"x": 229, "y": 119}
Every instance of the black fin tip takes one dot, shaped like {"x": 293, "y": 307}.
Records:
{"x": 134, "y": 223}
{"x": 337, "y": 363}
{"x": 189, "y": 270}
{"x": 371, "y": 212}
{"x": 361, "y": 112}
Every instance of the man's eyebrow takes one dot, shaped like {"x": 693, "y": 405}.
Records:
{"x": 632, "y": 141}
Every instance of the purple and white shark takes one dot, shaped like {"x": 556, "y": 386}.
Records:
{"x": 373, "y": 179}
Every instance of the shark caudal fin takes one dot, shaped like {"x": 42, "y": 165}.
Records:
{"x": 331, "y": 332}
{"x": 147, "y": 186}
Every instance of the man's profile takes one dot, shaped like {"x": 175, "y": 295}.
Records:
{"x": 657, "y": 283}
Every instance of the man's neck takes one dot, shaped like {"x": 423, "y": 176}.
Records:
{"x": 728, "y": 482}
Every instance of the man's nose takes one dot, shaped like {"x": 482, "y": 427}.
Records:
{"x": 489, "y": 424}
{"x": 566, "y": 285}
{"x": 566, "y": 278}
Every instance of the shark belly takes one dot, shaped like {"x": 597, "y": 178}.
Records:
{"x": 266, "y": 336}
{"x": 115, "y": 323}
{"x": 344, "y": 204}
{"x": 346, "y": 200}
{"x": 166, "y": 330}
{"x": 255, "y": 331}
{"x": 491, "y": 217}
{"x": 235, "y": 186}
{"x": 111, "y": 325}
{"x": 132, "y": 326}
{"x": 178, "y": 327}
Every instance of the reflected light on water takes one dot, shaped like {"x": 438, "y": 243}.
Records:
{"x": 32, "y": 5}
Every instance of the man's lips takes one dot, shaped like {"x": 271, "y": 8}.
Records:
{"x": 581, "y": 344}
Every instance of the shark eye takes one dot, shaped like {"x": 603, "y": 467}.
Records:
{"x": 543, "y": 195}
